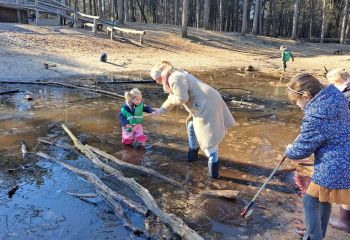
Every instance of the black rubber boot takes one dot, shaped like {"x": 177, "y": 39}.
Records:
{"x": 213, "y": 169}
{"x": 193, "y": 154}
{"x": 343, "y": 223}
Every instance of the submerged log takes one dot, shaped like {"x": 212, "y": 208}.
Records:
{"x": 175, "y": 223}
{"x": 83, "y": 195}
{"x": 127, "y": 82}
{"x": 9, "y": 92}
{"x": 139, "y": 169}
{"x": 232, "y": 194}
{"x": 67, "y": 86}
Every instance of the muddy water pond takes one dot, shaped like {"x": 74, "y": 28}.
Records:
{"x": 35, "y": 203}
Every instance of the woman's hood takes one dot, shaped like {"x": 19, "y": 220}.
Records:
{"x": 328, "y": 104}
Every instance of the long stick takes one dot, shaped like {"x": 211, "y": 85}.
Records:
{"x": 247, "y": 208}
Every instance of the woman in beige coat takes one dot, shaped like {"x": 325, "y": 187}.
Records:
{"x": 209, "y": 116}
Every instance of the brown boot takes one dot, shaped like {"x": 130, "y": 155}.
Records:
{"x": 343, "y": 223}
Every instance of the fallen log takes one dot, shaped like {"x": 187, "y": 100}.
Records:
{"x": 247, "y": 104}
{"x": 83, "y": 195}
{"x": 261, "y": 116}
{"x": 139, "y": 169}
{"x": 175, "y": 223}
{"x": 93, "y": 179}
{"x": 9, "y": 92}
{"x": 231, "y": 194}
{"x": 66, "y": 85}
{"x": 128, "y": 82}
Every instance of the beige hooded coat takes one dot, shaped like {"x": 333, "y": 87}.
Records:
{"x": 211, "y": 116}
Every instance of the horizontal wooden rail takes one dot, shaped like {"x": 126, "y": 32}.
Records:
{"x": 111, "y": 30}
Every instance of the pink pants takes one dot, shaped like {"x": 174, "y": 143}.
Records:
{"x": 136, "y": 134}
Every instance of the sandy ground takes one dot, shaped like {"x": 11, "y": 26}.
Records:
{"x": 25, "y": 48}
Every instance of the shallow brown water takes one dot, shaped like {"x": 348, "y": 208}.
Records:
{"x": 42, "y": 210}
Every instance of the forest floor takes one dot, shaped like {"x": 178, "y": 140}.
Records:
{"x": 69, "y": 52}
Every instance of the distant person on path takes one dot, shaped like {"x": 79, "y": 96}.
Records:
{"x": 325, "y": 131}
{"x": 340, "y": 78}
{"x": 209, "y": 118}
{"x": 286, "y": 55}
{"x": 131, "y": 118}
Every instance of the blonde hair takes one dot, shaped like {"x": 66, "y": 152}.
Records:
{"x": 132, "y": 94}
{"x": 157, "y": 70}
{"x": 303, "y": 84}
{"x": 337, "y": 76}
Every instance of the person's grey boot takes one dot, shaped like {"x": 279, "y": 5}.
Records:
{"x": 343, "y": 222}
{"x": 193, "y": 154}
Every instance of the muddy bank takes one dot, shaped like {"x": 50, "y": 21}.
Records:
{"x": 62, "y": 52}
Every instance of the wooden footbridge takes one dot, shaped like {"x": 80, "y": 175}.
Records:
{"x": 63, "y": 11}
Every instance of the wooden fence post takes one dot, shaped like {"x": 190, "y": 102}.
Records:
{"x": 112, "y": 30}
{"x": 94, "y": 29}
{"x": 141, "y": 38}
{"x": 75, "y": 20}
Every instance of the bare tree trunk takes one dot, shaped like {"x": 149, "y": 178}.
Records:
{"x": 176, "y": 12}
{"x": 120, "y": 11}
{"x": 323, "y": 20}
{"x": 236, "y": 16}
{"x": 112, "y": 10}
{"x": 343, "y": 26}
{"x": 165, "y": 11}
{"x": 198, "y": 8}
{"x": 206, "y": 14}
{"x": 141, "y": 10}
{"x": 347, "y": 34}
{"x": 245, "y": 16}
{"x": 132, "y": 11}
{"x": 126, "y": 10}
{"x": 256, "y": 17}
{"x": 261, "y": 17}
{"x": 295, "y": 19}
{"x": 100, "y": 13}
{"x": 90, "y": 7}
{"x": 221, "y": 19}
{"x": 311, "y": 7}
{"x": 95, "y": 7}
{"x": 84, "y": 6}
{"x": 185, "y": 6}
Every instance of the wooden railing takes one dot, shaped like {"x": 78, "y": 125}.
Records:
{"x": 61, "y": 10}
{"x": 115, "y": 30}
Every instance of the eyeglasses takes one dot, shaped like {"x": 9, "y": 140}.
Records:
{"x": 300, "y": 93}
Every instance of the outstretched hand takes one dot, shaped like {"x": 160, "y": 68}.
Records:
{"x": 155, "y": 111}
